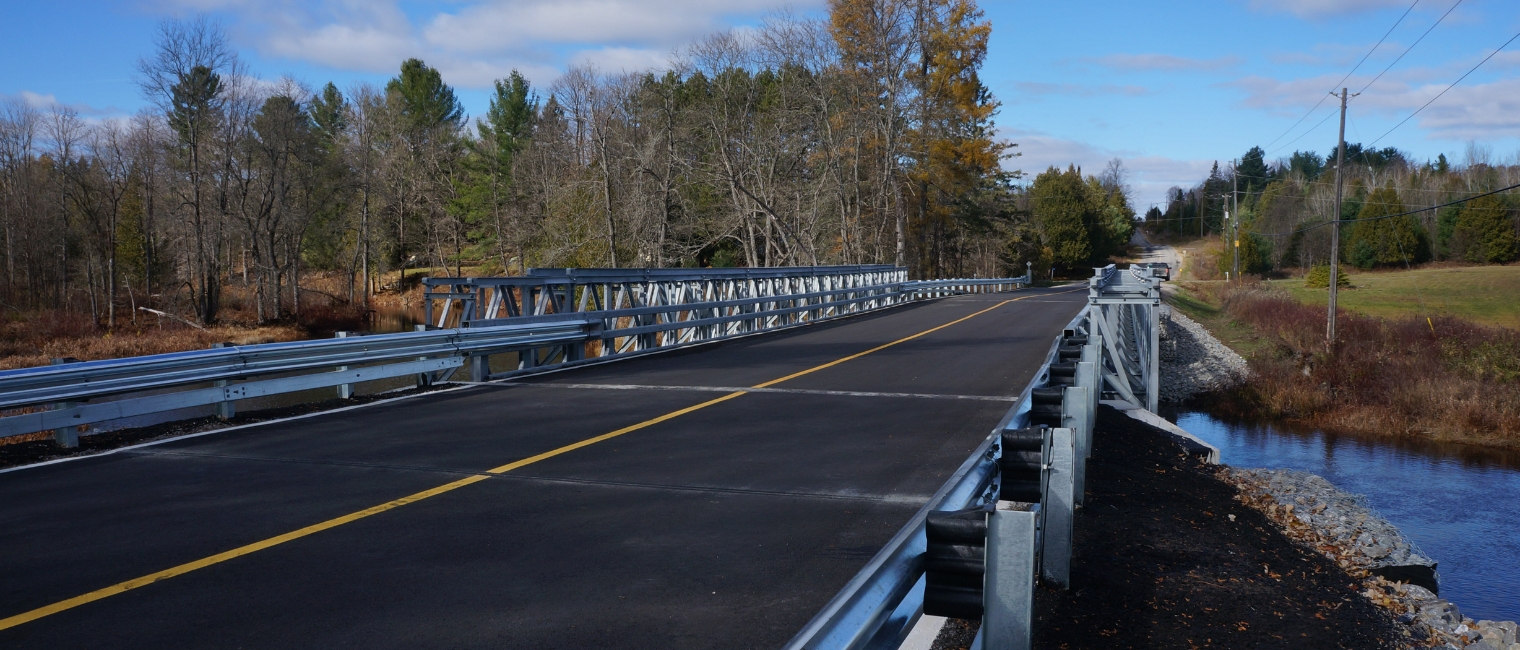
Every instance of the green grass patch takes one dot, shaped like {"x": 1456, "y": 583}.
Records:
{"x": 1489, "y": 295}
{"x": 1194, "y": 299}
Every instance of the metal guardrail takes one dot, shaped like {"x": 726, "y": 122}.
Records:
{"x": 881, "y": 604}
{"x": 557, "y": 317}
{"x": 344, "y": 361}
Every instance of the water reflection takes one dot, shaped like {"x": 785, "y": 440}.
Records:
{"x": 385, "y": 320}
{"x": 1459, "y": 503}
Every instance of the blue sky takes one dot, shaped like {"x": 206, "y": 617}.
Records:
{"x": 1169, "y": 87}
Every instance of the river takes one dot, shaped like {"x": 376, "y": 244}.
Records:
{"x": 1459, "y": 503}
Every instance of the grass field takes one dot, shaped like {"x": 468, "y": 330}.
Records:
{"x": 1484, "y": 294}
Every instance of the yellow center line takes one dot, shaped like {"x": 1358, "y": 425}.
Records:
{"x": 187, "y": 567}
{"x": 121, "y": 587}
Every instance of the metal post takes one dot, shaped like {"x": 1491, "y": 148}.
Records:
{"x": 1153, "y": 386}
{"x": 1008, "y": 596}
{"x": 345, "y": 391}
{"x": 225, "y": 410}
{"x": 1093, "y": 353}
{"x": 1078, "y": 405}
{"x": 1058, "y": 504}
{"x": 65, "y": 436}
{"x": 480, "y": 367}
{"x": 424, "y": 379}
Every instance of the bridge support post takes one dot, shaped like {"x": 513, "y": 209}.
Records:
{"x": 1008, "y": 602}
{"x": 1058, "y": 504}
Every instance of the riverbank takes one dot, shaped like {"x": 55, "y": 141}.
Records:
{"x": 1395, "y": 574}
{"x": 1166, "y": 555}
{"x": 1438, "y": 378}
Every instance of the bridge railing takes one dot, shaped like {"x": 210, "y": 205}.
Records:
{"x": 882, "y": 603}
{"x": 1108, "y": 348}
{"x": 1127, "y": 312}
{"x": 554, "y": 317}
{"x": 61, "y": 394}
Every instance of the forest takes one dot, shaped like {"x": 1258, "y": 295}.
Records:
{"x": 1394, "y": 210}
{"x": 865, "y": 136}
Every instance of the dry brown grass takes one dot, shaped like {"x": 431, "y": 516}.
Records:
{"x": 1442, "y": 378}
{"x": 37, "y": 340}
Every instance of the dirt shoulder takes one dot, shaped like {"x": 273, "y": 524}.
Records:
{"x": 1166, "y": 556}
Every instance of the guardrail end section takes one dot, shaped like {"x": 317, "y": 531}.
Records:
{"x": 1008, "y": 620}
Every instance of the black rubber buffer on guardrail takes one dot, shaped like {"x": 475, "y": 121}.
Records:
{"x": 1021, "y": 464}
{"x": 955, "y": 563}
{"x": 1063, "y": 374}
{"x": 1078, "y": 340}
{"x": 1046, "y": 405}
{"x": 1065, "y": 354}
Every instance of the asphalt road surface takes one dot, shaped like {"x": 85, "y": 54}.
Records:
{"x": 656, "y": 502}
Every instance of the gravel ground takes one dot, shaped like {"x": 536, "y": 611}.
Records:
{"x": 1193, "y": 362}
{"x": 1341, "y": 527}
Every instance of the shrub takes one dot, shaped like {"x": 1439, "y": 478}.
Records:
{"x": 1319, "y": 278}
{"x": 1440, "y": 377}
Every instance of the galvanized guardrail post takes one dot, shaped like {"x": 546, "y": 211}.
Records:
{"x": 345, "y": 391}
{"x": 225, "y": 409}
{"x": 1008, "y": 616}
{"x": 1058, "y": 508}
{"x": 66, "y": 436}
{"x": 1079, "y": 418}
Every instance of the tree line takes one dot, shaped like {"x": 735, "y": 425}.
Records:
{"x": 863, "y": 137}
{"x": 1284, "y": 209}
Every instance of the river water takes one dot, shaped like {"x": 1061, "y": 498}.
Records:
{"x": 1459, "y": 503}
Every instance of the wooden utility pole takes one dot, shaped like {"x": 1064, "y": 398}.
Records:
{"x": 1235, "y": 213}
{"x": 1200, "y": 208}
{"x": 1335, "y": 229}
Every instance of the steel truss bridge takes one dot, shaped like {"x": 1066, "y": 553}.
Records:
{"x": 617, "y": 478}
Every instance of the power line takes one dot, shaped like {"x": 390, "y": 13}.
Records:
{"x": 1411, "y": 47}
{"x": 1301, "y": 135}
{"x": 1348, "y": 74}
{"x": 1443, "y": 92}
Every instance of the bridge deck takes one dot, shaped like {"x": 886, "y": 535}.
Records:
{"x": 725, "y": 526}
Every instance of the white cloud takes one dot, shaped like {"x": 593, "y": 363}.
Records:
{"x": 1338, "y": 55}
{"x": 1322, "y": 8}
{"x": 1077, "y": 90}
{"x": 43, "y": 102}
{"x": 347, "y": 47}
{"x": 476, "y": 41}
{"x": 1164, "y": 62}
{"x": 623, "y": 59}
{"x": 512, "y": 24}
{"x": 37, "y": 100}
{"x": 1150, "y": 175}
